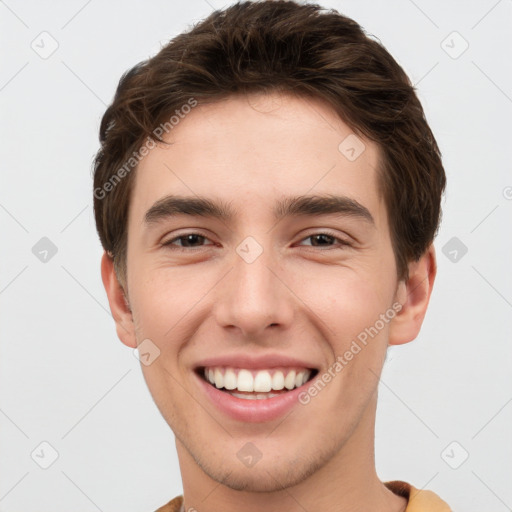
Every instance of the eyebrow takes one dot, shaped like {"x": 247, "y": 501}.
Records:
{"x": 295, "y": 206}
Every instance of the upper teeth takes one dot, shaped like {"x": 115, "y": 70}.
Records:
{"x": 256, "y": 380}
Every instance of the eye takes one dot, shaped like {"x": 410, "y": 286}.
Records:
{"x": 325, "y": 239}
{"x": 196, "y": 240}
{"x": 187, "y": 240}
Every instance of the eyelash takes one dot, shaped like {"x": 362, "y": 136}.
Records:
{"x": 341, "y": 242}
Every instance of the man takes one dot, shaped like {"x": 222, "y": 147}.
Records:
{"x": 267, "y": 193}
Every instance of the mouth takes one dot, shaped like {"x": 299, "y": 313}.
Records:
{"x": 256, "y": 384}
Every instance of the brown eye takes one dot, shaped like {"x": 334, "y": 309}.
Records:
{"x": 326, "y": 240}
{"x": 188, "y": 240}
{"x": 321, "y": 239}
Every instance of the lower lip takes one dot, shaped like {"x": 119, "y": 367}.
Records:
{"x": 259, "y": 410}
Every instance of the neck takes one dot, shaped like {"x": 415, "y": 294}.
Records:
{"x": 348, "y": 482}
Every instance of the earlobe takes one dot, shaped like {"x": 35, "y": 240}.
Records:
{"x": 414, "y": 295}
{"x": 118, "y": 302}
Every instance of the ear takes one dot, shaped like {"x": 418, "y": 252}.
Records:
{"x": 414, "y": 295}
{"x": 118, "y": 302}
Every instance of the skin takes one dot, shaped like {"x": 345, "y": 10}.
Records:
{"x": 298, "y": 298}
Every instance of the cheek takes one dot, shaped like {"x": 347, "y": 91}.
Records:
{"x": 346, "y": 300}
{"x": 162, "y": 299}
{"x": 351, "y": 308}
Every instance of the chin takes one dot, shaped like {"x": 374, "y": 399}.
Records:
{"x": 268, "y": 475}
{"x": 259, "y": 481}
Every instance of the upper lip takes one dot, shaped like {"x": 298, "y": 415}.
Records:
{"x": 252, "y": 362}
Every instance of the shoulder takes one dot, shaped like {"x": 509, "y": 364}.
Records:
{"x": 175, "y": 505}
{"x": 419, "y": 500}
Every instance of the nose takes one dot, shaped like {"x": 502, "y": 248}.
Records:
{"x": 253, "y": 298}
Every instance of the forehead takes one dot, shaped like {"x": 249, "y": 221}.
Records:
{"x": 248, "y": 149}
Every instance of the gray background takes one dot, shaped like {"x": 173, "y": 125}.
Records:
{"x": 66, "y": 379}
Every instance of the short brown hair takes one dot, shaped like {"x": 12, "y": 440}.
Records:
{"x": 281, "y": 46}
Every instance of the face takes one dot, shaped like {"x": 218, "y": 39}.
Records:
{"x": 258, "y": 255}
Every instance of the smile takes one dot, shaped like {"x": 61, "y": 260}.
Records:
{"x": 250, "y": 384}
{"x": 254, "y": 395}
{"x": 253, "y": 388}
